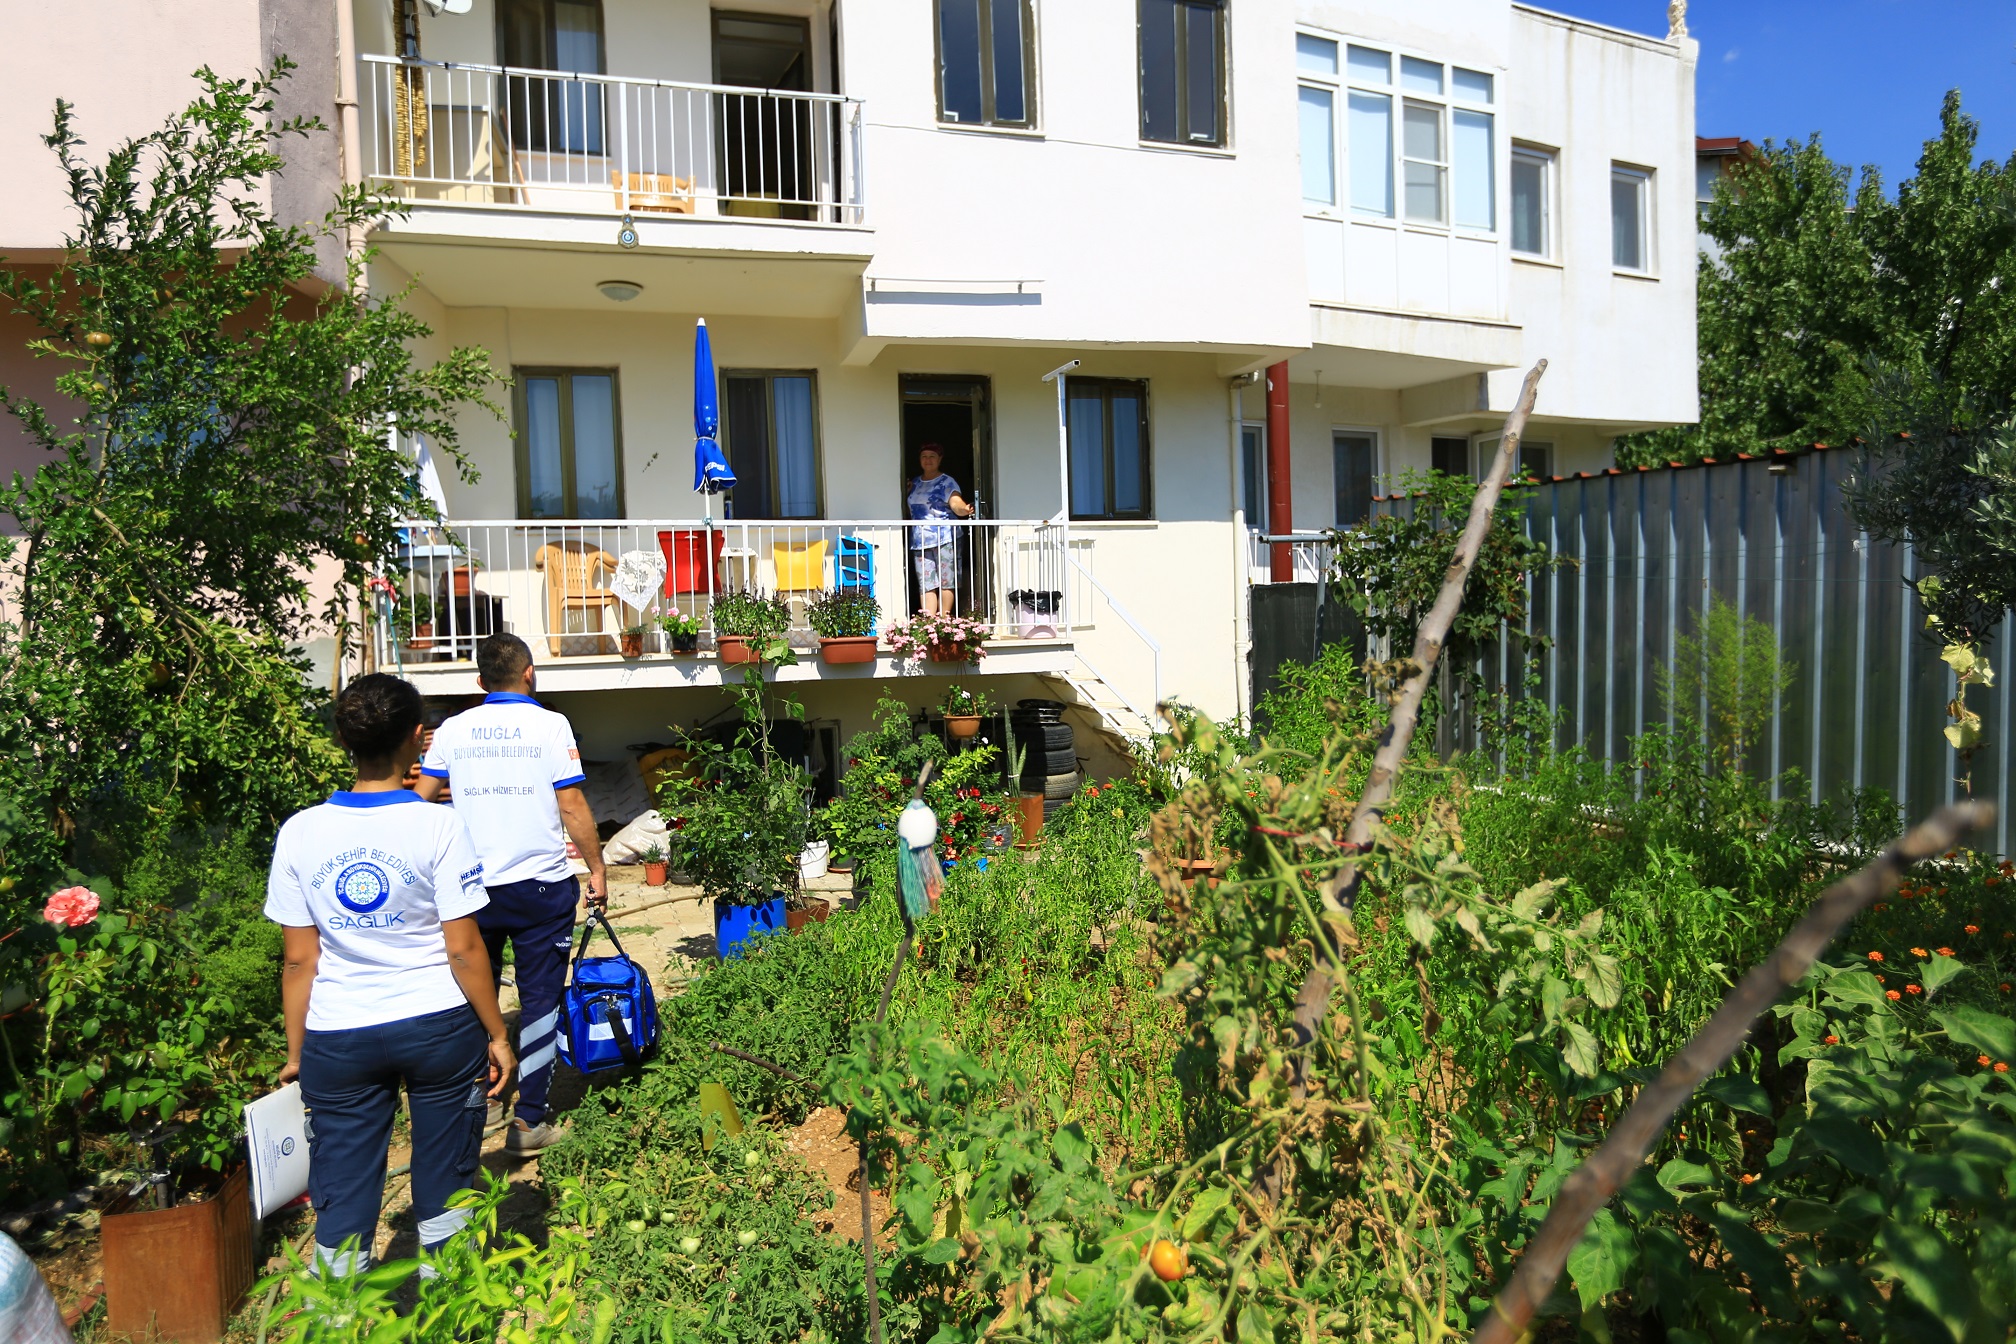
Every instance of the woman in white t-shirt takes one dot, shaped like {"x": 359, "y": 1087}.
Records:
{"x": 386, "y": 983}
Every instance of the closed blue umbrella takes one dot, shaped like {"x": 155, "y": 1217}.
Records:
{"x": 710, "y": 468}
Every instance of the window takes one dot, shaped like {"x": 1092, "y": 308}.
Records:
{"x": 1536, "y": 460}
{"x": 986, "y": 51}
{"x": 1449, "y": 455}
{"x": 570, "y": 454}
{"x": 1532, "y": 201}
{"x": 1316, "y": 62}
{"x": 1107, "y": 424}
{"x": 1446, "y": 156}
{"x": 1630, "y": 210}
{"x": 1182, "y": 71}
{"x": 1355, "y": 458}
{"x": 561, "y": 115}
{"x": 772, "y": 424}
{"x": 1253, "y": 475}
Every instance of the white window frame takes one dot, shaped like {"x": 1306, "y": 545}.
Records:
{"x": 1648, "y": 258}
{"x": 1256, "y": 520}
{"x": 1339, "y": 205}
{"x": 1345, "y": 84}
{"x": 1550, "y": 196}
{"x": 1378, "y": 438}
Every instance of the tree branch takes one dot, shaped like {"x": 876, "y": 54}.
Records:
{"x": 1599, "y": 1177}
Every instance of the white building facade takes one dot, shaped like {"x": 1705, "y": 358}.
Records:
{"x": 897, "y": 218}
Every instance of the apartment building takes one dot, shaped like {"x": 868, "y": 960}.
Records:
{"x": 899, "y": 219}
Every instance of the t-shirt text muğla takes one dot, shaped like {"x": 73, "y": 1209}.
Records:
{"x": 505, "y": 759}
{"x": 377, "y": 874}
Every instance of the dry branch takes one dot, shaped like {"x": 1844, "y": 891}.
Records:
{"x": 1313, "y": 1000}
{"x": 1592, "y": 1184}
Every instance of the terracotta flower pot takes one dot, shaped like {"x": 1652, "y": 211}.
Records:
{"x": 178, "y": 1274}
{"x": 654, "y": 873}
{"x": 847, "y": 649}
{"x": 962, "y": 725}
{"x": 423, "y": 636}
{"x": 633, "y": 643}
{"x": 946, "y": 653}
{"x": 1029, "y": 820}
{"x": 815, "y": 912}
{"x": 737, "y": 649}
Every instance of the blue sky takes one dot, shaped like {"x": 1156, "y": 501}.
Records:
{"x": 1867, "y": 74}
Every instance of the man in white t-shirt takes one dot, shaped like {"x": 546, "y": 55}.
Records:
{"x": 515, "y": 776}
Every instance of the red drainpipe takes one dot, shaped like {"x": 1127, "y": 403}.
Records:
{"x": 1280, "y": 491}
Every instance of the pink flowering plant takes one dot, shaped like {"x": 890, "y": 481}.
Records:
{"x": 936, "y": 634}
{"x": 72, "y": 907}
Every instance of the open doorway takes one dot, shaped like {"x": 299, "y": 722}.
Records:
{"x": 956, "y": 414}
{"x": 764, "y": 144}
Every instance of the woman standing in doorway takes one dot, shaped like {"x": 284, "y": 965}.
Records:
{"x": 385, "y": 982}
{"x": 935, "y": 496}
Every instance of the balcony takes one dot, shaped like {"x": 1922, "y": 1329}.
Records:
{"x": 553, "y": 584}
{"x": 604, "y": 145}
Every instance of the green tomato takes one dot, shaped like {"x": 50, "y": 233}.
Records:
{"x": 636, "y": 1224}
{"x": 665, "y": 1217}
{"x": 689, "y": 1244}
{"x": 745, "y": 1238}
{"x": 752, "y": 1159}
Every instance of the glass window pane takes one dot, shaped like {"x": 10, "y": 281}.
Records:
{"x": 1476, "y": 181}
{"x": 1423, "y": 132}
{"x": 746, "y": 418}
{"x": 1353, "y": 456}
{"x": 1536, "y": 460}
{"x": 1627, "y": 242}
{"x": 543, "y": 488}
{"x": 595, "y": 485}
{"x": 1201, "y": 74}
{"x": 1315, "y": 55}
{"x": 1011, "y": 102}
{"x": 959, "y": 57}
{"x": 1253, "y": 475}
{"x": 1086, "y": 427}
{"x": 577, "y": 47}
{"x": 797, "y": 451}
{"x": 1158, "y": 69}
{"x": 1319, "y": 151}
{"x": 1130, "y": 455}
{"x": 1419, "y": 76}
{"x": 1372, "y": 153}
{"x": 1472, "y": 84}
{"x": 1424, "y": 193}
{"x": 1370, "y": 66}
{"x": 1529, "y": 204}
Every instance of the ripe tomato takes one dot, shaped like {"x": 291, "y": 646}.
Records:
{"x": 1169, "y": 1261}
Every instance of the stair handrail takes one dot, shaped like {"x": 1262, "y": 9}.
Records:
{"x": 1120, "y": 610}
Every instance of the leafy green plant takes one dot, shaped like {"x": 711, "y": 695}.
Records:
{"x": 751, "y": 614}
{"x": 883, "y": 765}
{"x": 958, "y": 700}
{"x": 677, "y": 625}
{"x": 741, "y": 811}
{"x": 843, "y": 613}
{"x": 1730, "y": 675}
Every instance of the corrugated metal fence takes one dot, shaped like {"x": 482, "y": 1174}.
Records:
{"x": 1867, "y": 709}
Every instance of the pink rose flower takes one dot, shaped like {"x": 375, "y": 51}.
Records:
{"x": 71, "y": 907}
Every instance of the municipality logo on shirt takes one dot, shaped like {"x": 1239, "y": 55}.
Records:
{"x": 361, "y": 889}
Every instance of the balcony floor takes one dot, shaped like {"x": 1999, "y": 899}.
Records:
{"x": 602, "y": 672}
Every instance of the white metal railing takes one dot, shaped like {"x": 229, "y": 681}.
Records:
{"x": 1148, "y": 642}
{"x": 497, "y": 135}
{"x": 550, "y": 581}
{"x": 1312, "y": 553}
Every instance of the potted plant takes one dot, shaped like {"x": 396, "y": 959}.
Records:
{"x": 682, "y": 633}
{"x": 800, "y": 910}
{"x": 844, "y": 619}
{"x": 963, "y": 710}
{"x": 941, "y": 637}
{"x": 654, "y": 866}
{"x": 633, "y": 641}
{"x": 747, "y": 622}
{"x": 743, "y": 821}
{"x": 420, "y": 619}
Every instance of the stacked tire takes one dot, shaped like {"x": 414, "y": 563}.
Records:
{"x": 1049, "y": 752}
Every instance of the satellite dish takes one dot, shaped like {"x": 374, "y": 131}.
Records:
{"x": 449, "y": 6}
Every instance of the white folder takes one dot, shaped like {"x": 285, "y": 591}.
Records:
{"x": 276, "y": 1135}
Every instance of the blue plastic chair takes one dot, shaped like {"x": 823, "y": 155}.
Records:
{"x": 854, "y": 565}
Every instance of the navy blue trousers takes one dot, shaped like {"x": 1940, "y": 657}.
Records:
{"x": 538, "y": 919}
{"x": 350, "y": 1081}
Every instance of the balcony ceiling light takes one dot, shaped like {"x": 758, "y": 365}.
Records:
{"x": 620, "y": 291}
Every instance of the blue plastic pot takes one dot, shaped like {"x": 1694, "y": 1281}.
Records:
{"x": 735, "y": 926}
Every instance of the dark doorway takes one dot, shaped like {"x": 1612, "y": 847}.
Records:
{"x": 553, "y": 114}
{"x": 954, "y": 413}
{"x": 764, "y": 145}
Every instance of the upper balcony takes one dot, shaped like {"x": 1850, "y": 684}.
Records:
{"x": 499, "y": 154}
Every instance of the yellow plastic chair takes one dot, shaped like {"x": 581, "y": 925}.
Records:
{"x": 800, "y": 566}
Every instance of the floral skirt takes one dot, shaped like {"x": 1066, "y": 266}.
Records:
{"x": 937, "y": 567}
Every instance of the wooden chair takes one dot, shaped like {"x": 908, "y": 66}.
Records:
{"x": 572, "y": 569}
{"x": 660, "y": 193}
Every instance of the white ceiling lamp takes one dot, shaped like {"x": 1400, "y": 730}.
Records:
{"x": 620, "y": 291}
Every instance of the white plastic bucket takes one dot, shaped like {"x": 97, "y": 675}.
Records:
{"x": 812, "y": 860}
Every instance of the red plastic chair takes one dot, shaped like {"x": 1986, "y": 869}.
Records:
{"x": 689, "y": 567}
